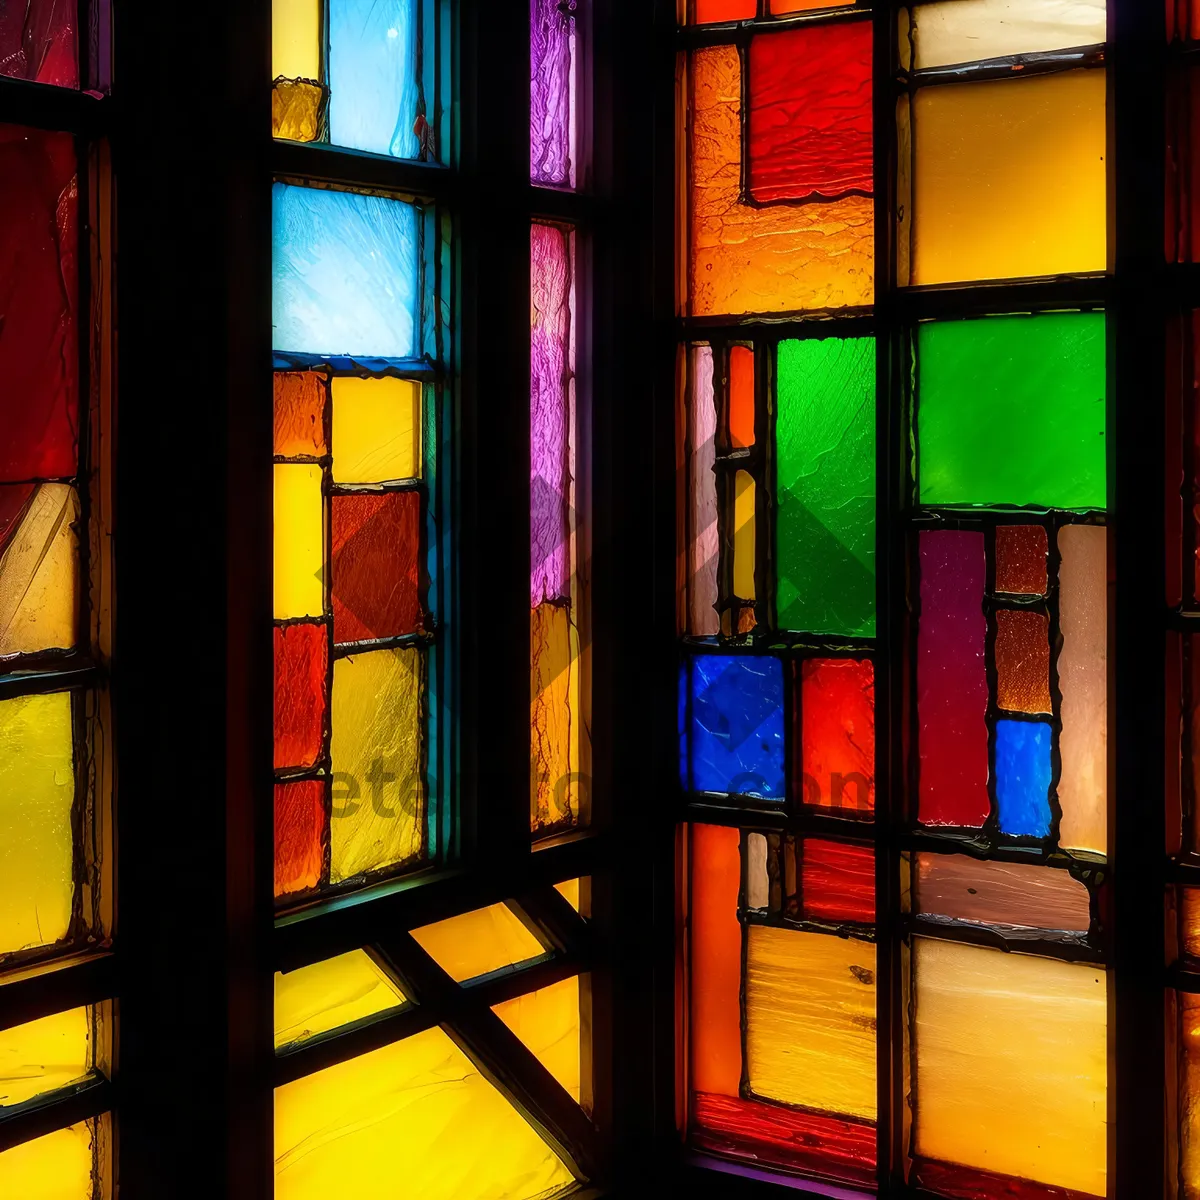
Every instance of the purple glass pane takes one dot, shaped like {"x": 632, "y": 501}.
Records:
{"x": 551, "y": 88}
{"x": 552, "y": 370}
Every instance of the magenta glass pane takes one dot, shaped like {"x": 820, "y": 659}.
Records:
{"x": 952, "y": 690}
{"x": 37, "y": 41}
{"x": 552, "y": 388}
{"x": 551, "y": 92}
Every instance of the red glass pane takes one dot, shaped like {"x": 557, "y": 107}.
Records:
{"x": 1183, "y": 164}
{"x": 301, "y": 687}
{"x": 37, "y": 41}
{"x": 810, "y": 113}
{"x": 725, "y": 10}
{"x": 741, "y": 397}
{"x": 299, "y": 835}
{"x": 39, "y": 357}
{"x": 837, "y": 881}
{"x": 837, "y": 734}
{"x": 376, "y": 547}
{"x": 952, "y": 690}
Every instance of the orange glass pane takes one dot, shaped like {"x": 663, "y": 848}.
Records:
{"x": 299, "y": 835}
{"x": 299, "y": 414}
{"x": 780, "y": 7}
{"x": 1022, "y": 661}
{"x": 716, "y": 959}
{"x": 708, "y": 11}
{"x": 741, "y": 397}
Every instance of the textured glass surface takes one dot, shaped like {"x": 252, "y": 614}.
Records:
{"x": 296, "y": 39}
{"x": 417, "y": 1111}
{"x": 1023, "y": 777}
{"x": 44, "y": 1055}
{"x": 299, "y": 835}
{"x": 37, "y": 793}
{"x": 744, "y": 536}
{"x": 1010, "y": 410}
{"x": 810, "y": 113}
{"x": 704, "y": 551}
{"x": 330, "y": 994}
{"x": 734, "y": 738}
{"x": 1000, "y": 893}
{"x": 1189, "y": 1086}
{"x": 378, "y": 772}
{"x": 837, "y": 881}
{"x": 345, "y": 273}
{"x": 1083, "y": 682}
{"x": 1021, "y": 559}
{"x": 296, "y": 110}
{"x": 374, "y": 93}
{"x": 39, "y": 572}
{"x": 1011, "y": 1070}
{"x": 55, "y": 1167}
{"x": 725, "y": 10}
{"x": 1022, "y": 651}
{"x": 39, "y": 356}
{"x": 38, "y": 41}
{"x": 551, "y": 93}
{"x": 1009, "y": 178}
{"x": 478, "y": 943}
{"x": 837, "y": 733}
{"x": 547, "y": 1021}
{"x": 778, "y": 258}
{"x": 962, "y": 31}
{"x": 952, "y": 691}
{"x": 810, "y": 1020}
{"x": 555, "y": 718}
{"x": 301, "y": 674}
{"x": 825, "y": 449}
{"x": 741, "y": 397}
{"x": 300, "y": 405}
{"x": 299, "y": 541}
{"x": 376, "y": 429}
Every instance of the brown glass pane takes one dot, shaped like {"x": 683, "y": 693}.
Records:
{"x": 1022, "y": 661}
{"x": 1021, "y": 560}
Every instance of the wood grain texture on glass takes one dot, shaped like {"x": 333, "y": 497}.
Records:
{"x": 810, "y": 113}
{"x": 999, "y": 893}
{"x": 376, "y": 429}
{"x": 301, "y": 399}
{"x": 358, "y": 1127}
{"x": 44, "y": 1055}
{"x": 552, "y": 116}
{"x": 715, "y": 949}
{"x": 329, "y": 995}
{"x": 548, "y": 1023}
{"x": 1011, "y": 411}
{"x": 1009, "y": 178}
{"x": 1083, "y": 682}
{"x": 746, "y": 259}
{"x": 703, "y": 527}
{"x": 38, "y": 42}
{"x": 825, "y": 486}
{"x": 477, "y": 943}
{"x": 39, "y": 297}
{"x": 301, "y": 682}
{"x": 379, "y": 797}
{"x": 37, "y": 796}
{"x": 952, "y": 690}
{"x": 837, "y": 881}
{"x": 1022, "y": 649}
{"x": 300, "y": 835}
{"x": 951, "y": 32}
{"x": 810, "y": 1020}
{"x": 741, "y": 397}
{"x": 555, "y": 719}
{"x": 1021, "y": 559}
{"x": 299, "y": 541}
{"x": 837, "y": 733}
{"x": 58, "y": 1166}
{"x": 1011, "y": 1064}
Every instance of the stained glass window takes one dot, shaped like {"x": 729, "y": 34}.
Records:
{"x": 893, "y": 679}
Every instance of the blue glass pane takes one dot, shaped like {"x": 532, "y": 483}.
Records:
{"x": 344, "y": 274}
{"x": 1023, "y": 777}
{"x": 373, "y": 76}
{"x": 736, "y": 726}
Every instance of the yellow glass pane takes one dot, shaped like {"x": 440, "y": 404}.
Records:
{"x": 299, "y": 541}
{"x": 37, "y": 792}
{"x": 414, "y": 1119}
{"x": 810, "y": 1020}
{"x": 296, "y": 39}
{"x": 378, "y": 817}
{"x": 39, "y": 575}
{"x": 479, "y": 942}
{"x": 554, "y": 717}
{"x": 569, "y": 890}
{"x": 1010, "y": 178}
{"x": 777, "y": 258}
{"x": 1011, "y": 1064}
{"x": 743, "y": 536}
{"x": 55, "y": 1167}
{"x": 547, "y": 1022}
{"x": 376, "y": 430}
{"x": 330, "y": 994}
{"x": 44, "y": 1055}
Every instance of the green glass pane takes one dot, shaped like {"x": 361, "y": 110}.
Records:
{"x": 1010, "y": 410}
{"x": 825, "y": 476}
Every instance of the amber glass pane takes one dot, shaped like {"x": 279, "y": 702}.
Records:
{"x": 296, "y": 39}
{"x": 58, "y": 1166}
{"x": 329, "y": 995}
{"x": 376, "y": 430}
{"x": 299, "y": 542}
{"x": 1022, "y": 661}
{"x": 547, "y": 1022}
{"x": 1021, "y": 559}
{"x": 479, "y": 942}
{"x": 555, "y": 718}
{"x": 744, "y": 536}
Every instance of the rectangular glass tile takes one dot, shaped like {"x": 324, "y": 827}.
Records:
{"x": 1023, "y": 773}
{"x": 1028, "y": 1097}
{"x": 825, "y": 450}
{"x": 952, "y": 690}
{"x": 552, "y": 117}
{"x": 45, "y": 1055}
{"x": 301, "y": 694}
{"x": 1189, "y": 921}
{"x": 301, "y": 400}
{"x": 296, "y": 110}
{"x": 300, "y": 834}
{"x": 837, "y": 881}
{"x": 837, "y": 733}
{"x": 58, "y": 1166}
{"x": 555, "y": 719}
{"x": 478, "y": 943}
{"x": 1189, "y": 1090}
{"x": 345, "y": 274}
{"x": 704, "y": 547}
{"x": 1010, "y": 410}
{"x": 1021, "y": 559}
{"x": 741, "y": 397}
{"x": 744, "y": 536}
{"x": 296, "y": 39}
{"x": 299, "y": 541}
{"x": 1022, "y": 650}
{"x": 780, "y": 8}
{"x": 38, "y": 43}
{"x": 742, "y": 258}
{"x": 330, "y": 995}
{"x": 1009, "y": 178}
{"x": 758, "y": 884}
{"x": 376, "y": 429}
{"x": 710, "y": 11}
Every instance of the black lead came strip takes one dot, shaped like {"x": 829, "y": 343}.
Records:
{"x": 58, "y": 1110}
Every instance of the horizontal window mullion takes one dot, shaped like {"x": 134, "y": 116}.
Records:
{"x": 45, "y": 107}
{"x": 92, "y": 1098}
{"x": 400, "y": 177}
{"x": 54, "y": 987}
